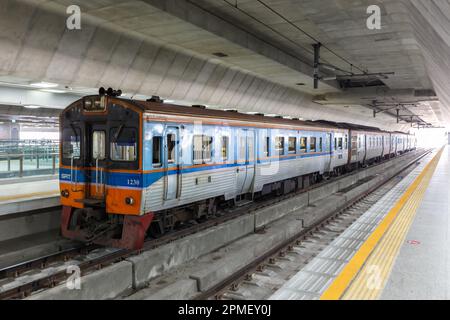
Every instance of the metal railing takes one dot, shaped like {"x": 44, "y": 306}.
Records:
{"x": 28, "y": 158}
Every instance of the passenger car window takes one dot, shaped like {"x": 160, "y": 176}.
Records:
{"x": 292, "y": 147}
{"x": 156, "y": 151}
{"x": 279, "y": 145}
{"x": 225, "y": 147}
{"x": 312, "y": 144}
{"x": 340, "y": 143}
{"x": 242, "y": 147}
{"x": 202, "y": 148}
{"x": 303, "y": 142}
{"x": 123, "y": 144}
{"x": 171, "y": 142}
{"x": 267, "y": 147}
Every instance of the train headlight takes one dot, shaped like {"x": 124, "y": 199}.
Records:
{"x": 65, "y": 193}
{"x": 129, "y": 201}
{"x": 94, "y": 104}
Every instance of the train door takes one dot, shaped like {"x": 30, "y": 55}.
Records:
{"x": 246, "y": 158}
{"x": 354, "y": 146}
{"x": 364, "y": 147}
{"x": 171, "y": 160}
{"x": 96, "y": 161}
{"x": 327, "y": 148}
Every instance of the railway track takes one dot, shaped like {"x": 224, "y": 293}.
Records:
{"x": 19, "y": 281}
{"x": 266, "y": 274}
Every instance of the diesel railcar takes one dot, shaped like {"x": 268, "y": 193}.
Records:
{"x": 134, "y": 167}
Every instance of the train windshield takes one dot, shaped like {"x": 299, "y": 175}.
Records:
{"x": 71, "y": 148}
{"x": 123, "y": 144}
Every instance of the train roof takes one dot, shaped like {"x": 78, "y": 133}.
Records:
{"x": 203, "y": 112}
{"x": 158, "y": 106}
{"x": 351, "y": 126}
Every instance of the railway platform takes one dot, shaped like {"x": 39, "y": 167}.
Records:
{"x": 29, "y": 218}
{"x": 26, "y": 194}
{"x": 398, "y": 249}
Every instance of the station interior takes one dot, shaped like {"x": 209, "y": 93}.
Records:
{"x": 224, "y": 150}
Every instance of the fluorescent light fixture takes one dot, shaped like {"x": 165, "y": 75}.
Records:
{"x": 44, "y": 85}
{"x": 272, "y": 115}
{"x": 53, "y": 91}
{"x": 31, "y": 106}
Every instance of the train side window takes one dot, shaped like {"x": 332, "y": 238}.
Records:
{"x": 251, "y": 148}
{"x": 346, "y": 143}
{"x": 340, "y": 143}
{"x": 267, "y": 147}
{"x": 279, "y": 145}
{"x": 207, "y": 148}
{"x": 335, "y": 143}
{"x": 320, "y": 148}
{"x": 98, "y": 145}
{"x": 171, "y": 142}
{"x": 225, "y": 147}
{"x": 156, "y": 151}
{"x": 198, "y": 148}
{"x": 123, "y": 144}
{"x": 312, "y": 144}
{"x": 303, "y": 142}
{"x": 202, "y": 148}
{"x": 242, "y": 147}
{"x": 71, "y": 143}
{"x": 292, "y": 145}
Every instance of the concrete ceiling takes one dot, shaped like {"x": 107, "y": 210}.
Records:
{"x": 167, "y": 48}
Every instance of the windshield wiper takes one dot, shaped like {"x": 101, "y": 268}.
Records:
{"x": 119, "y": 131}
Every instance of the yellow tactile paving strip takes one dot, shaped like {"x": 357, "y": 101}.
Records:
{"x": 366, "y": 273}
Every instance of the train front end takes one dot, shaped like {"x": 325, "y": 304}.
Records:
{"x": 101, "y": 176}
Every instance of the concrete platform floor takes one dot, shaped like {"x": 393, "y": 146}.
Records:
{"x": 422, "y": 267}
{"x": 28, "y": 194}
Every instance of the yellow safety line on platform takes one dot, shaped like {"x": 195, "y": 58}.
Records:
{"x": 369, "y": 283}
{"x": 30, "y": 195}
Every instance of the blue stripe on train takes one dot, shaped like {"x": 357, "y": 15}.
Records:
{"x": 137, "y": 180}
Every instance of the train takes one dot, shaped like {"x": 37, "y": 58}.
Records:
{"x": 131, "y": 169}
